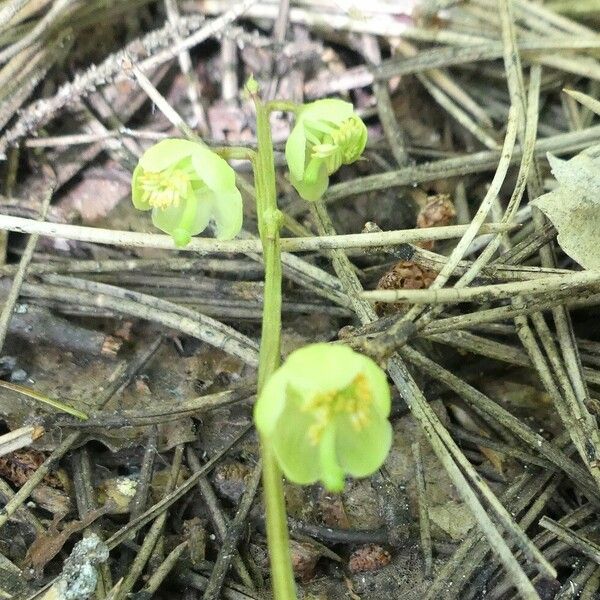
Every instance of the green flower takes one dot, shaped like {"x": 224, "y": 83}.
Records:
{"x": 186, "y": 185}
{"x": 324, "y": 411}
{"x": 327, "y": 135}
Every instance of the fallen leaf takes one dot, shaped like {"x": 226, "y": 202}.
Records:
{"x": 574, "y": 207}
{"x": 48, "y": 544}
{"x": 453, "y": 518}
{"x": 304, "y": 556}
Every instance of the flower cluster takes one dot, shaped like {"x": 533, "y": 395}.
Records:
{"x": 186, "y": 185}
{"x": 325, "y": 413}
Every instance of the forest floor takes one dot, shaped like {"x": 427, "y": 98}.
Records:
{"x": 491, "y": 338}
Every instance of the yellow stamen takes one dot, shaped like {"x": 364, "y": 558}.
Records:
{"x": 341, "y": 145}
{"x": 355, "y": 400}
{"x": 166, "y": 188}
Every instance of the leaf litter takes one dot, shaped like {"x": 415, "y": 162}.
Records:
{"x": 501, "y": 387}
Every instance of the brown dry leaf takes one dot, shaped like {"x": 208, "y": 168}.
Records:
{"x": 56, "y": 502}
{"x": 71, "y": 377}
{"x": 79, "y": 380}
{"x": 407, "y": 275}
{"x": 18, "y": 466}
{"x": 51, "y": 495}
{"x": 97, "y": 193}
{"x": 48, "y": 544}
{"x": 304, "y": 557}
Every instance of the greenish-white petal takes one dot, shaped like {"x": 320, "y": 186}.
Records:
{"x": 297, "y": 457}
{"x": 378, "y": 385}
{"x": 315, "y": 170}
{"x": 332, "y": 110}
{"x": 166, "y": 153}
{"x": 295, "y": 151}
{"x": 227, "y": 213}
{"x": 361, "y": 452}
{"x": 332, "y": 475}
{"x": 312, "y": 191}
{"x": 137, "y": 194}
{"x": 271, "y": 402}
{"x": 190, "y": 215}
{"x": 213, "y": 170}
{"x": 322, "y": 367}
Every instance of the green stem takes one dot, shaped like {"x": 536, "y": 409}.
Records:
{"x": 269, "y": 225}
{"x": 235, "y": 152}
{"x": 283, "y": 106}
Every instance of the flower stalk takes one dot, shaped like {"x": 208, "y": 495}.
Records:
{"x": 269, "y": 225}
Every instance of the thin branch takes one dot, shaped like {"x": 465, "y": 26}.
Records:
{"x": 13, "y": 295}
{"x": 486, "y": 293}
{"x": 130, "y": 239}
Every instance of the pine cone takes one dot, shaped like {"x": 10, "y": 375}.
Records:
{"x": 438, "y": 211}
{"x": 404, "y": 275}
{"x": 370, "y": 557}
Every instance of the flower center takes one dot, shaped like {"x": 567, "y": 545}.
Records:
{"x": 354, "y": 400}
{"x": 338, "y": 144}
{"x": 166, "y": 188}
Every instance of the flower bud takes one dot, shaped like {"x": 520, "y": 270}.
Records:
{"x": 327, "y": 135}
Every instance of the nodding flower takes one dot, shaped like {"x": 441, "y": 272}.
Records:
{"x": 186, "y": 185}
{"x": 325, "y": 414}
{"x": 327, "y": 135}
